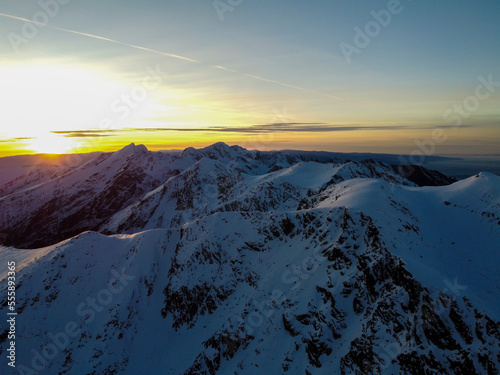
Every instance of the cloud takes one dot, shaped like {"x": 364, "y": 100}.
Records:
{"x": 451, "y": 126}
{"x": 294, "y": 127}
{"x": 85, "y": 133}
{"x": 14, "y": 140}
{"x": 290, "y": 127}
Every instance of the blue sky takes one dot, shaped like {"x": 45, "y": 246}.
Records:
{"x": 286, "y": 66}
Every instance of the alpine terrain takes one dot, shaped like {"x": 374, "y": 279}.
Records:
{"x": 224, "y": 260}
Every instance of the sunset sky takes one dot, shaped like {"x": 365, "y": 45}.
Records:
{"x": 261, "y": 74}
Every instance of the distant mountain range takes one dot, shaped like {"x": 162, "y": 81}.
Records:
{"x": 223, "y": 260}
{"x": 50, "y": 201}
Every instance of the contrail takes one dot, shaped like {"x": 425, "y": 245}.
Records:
{"x": 291, "y": 86}
{"x": 168, "y": 55}
{"x": 103, "y": 38}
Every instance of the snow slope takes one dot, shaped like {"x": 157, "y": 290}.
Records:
{"x": 240, "y": 262}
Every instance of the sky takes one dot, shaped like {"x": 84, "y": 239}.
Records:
{"x": 348, "y": 76}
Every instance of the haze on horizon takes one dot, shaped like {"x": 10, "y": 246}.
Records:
{"x": 384, "y": 77}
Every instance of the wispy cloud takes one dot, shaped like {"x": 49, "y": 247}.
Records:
{"x": 278, "y": 127}
{"x": 450, "y": 126}
{"x": 290, "y": 127}
{"x": 86, "y": 133}
{"x": 16, "y": 139}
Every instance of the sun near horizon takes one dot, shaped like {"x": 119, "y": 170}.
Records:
{"x": 76, "y": 86}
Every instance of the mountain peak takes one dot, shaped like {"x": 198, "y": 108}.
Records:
{"x": 131, "y": 149}
{"x": 348, "y": 266}
{"x": 217, "y": 146}
{"x": 216, "y": 150}
{"x": 486, "y": 175}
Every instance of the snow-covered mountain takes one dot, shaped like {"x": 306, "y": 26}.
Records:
{"x": 68, "y": 199}
{"x": 44, "y": 201}
{"x": 229, "y": 261}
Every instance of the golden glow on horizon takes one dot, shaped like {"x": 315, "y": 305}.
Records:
{"x": 37, "y": 101}
{"x": 49, "y": 143}
{"x": 377, "y": 141}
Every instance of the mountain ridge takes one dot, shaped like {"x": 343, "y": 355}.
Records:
{"x": 219, "y": 254}
{"x": 135, "y": 172}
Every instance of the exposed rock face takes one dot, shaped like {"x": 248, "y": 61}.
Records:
{"x": 61, "y": 200}
{"x": 422, "y": 176}
{"x": 233, "y": 266}
{"x": 78, "y": 198}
